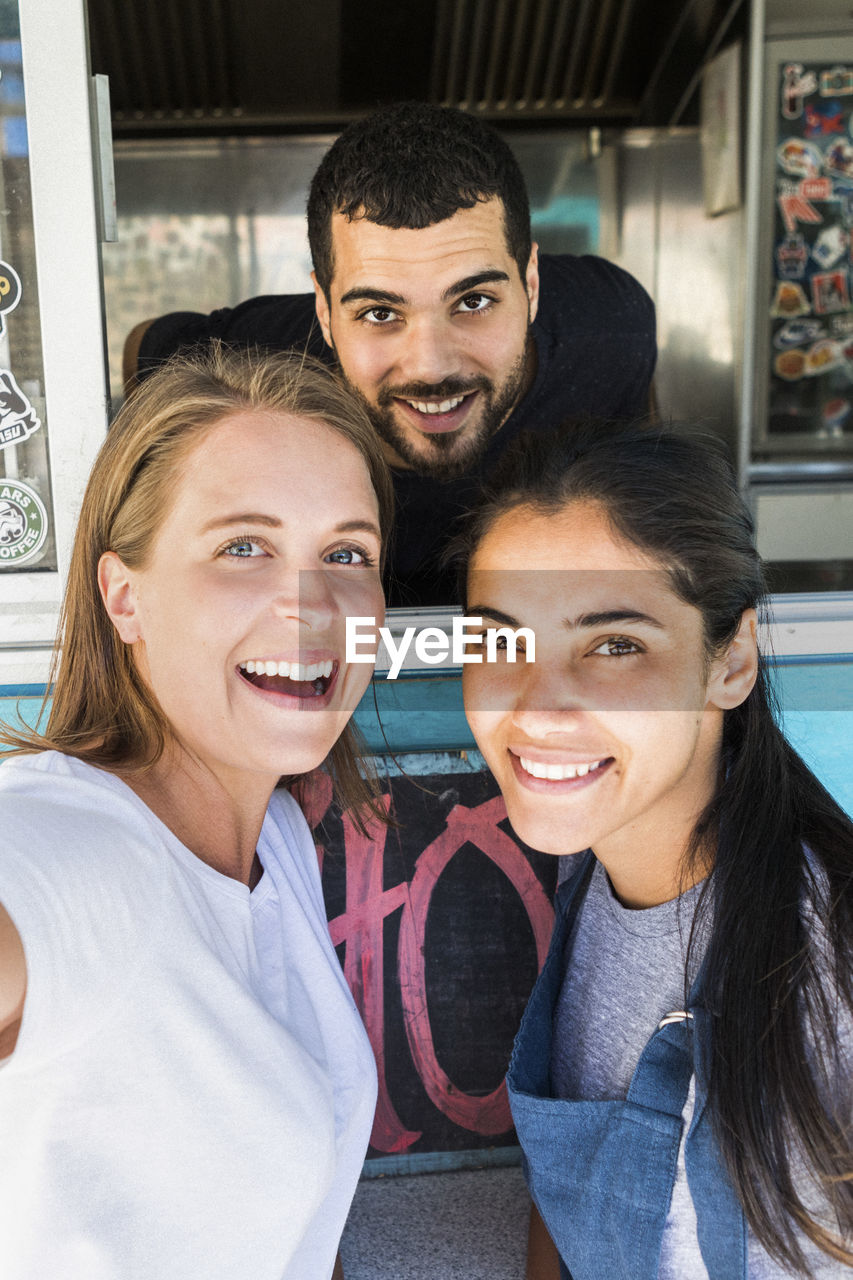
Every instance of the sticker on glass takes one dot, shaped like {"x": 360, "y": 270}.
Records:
{"x": 791, "y": 258}
{"x": 794, "y": 209}
{"x": 801, "y": 159}
{"x": 829, "y": 246}
{"x": 825, "y": 119}
{"x": 816, "y": 188}
{"x": 834, "y": 414}
{"x": 17, "y": 416}
{"x": 837, "y": 81}
{"x": 789, "y": 300}
{"x": 838, "y": 158}
{"x": 841, "y": 326}
{"x": 830, "y": 292}
{"x": 822, "y": 356}
{"x": 10, "y": 292}
{"x": 23, "y": 523}
{"x": 797, "y": 332}
{"x": 790, "y": 365}
{"x": 796, "y": 85}
{"x": 847, "y": 354}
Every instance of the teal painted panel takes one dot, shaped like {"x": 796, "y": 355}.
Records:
{"x": 16, "y": 710}
{"x": 423, "y": 714}
{"x": 815, "y": 685}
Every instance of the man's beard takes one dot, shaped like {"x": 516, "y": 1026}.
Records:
{"x": 446, "y": 455}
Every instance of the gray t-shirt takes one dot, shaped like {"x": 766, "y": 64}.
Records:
{"x": 626, "y": 973}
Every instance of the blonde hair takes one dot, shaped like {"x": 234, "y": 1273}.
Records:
{"x": 101, "y": 709}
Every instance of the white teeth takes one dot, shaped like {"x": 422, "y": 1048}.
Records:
{"x": 293, "y": 670}
{"x": 558, "y": 772}
{"x": 436, "y": 406}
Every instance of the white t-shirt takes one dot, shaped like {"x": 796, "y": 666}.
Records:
{"x": 192, "y": 1090}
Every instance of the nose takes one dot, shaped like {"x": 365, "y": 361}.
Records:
{"x": 549, "y": 701}
{"x": 428, "y": 352}
{"x": 307, "y": 595}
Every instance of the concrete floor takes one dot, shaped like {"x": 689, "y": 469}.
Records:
{"x": 469, "y": 1225}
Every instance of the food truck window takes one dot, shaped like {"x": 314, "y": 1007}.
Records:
{"x": 27, "y": 541}
{"x": 53, "y": 408}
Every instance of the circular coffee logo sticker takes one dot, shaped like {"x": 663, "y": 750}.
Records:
{"x": 23, "y": 523}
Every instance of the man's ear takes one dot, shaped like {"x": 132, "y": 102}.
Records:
{"x": 117, "y": 588}
{"x": 734, "y": 673}
{"x": 321, "y": 306}
{"x": 531, "y": 280}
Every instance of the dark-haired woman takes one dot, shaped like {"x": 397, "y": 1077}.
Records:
{"x": 681, "y": 1082}
{"x": 186, "y": 1091}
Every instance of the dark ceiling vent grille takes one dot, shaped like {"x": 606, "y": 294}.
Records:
{"x": 549, "y": 57}
{"x": 166, "y": 61}
{"x": 225, "y": 66}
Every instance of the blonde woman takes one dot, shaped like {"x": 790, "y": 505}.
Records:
{"x": 186, "y": 1089}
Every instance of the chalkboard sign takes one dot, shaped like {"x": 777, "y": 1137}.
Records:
{"x": 441, "y": 923}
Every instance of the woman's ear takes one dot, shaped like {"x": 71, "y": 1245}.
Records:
{"x": 116, "y": 584}
{"x": 734, "y": 673}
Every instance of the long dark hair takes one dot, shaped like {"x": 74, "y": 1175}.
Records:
{"x": 779, "y": 962}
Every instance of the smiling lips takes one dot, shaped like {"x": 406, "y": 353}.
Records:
{"x": 434, "y": 416}
{"x": 559, "y": 772}
{"x": 297, "y": 679}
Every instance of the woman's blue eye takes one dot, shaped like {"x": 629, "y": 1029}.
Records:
{"x": 243, "y": 549}
{"x": 348, "y": 555}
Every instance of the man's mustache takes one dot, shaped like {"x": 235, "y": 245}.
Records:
{"x": 445, "y": 390}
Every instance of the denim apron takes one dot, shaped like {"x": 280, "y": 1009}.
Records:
{"x": 601, "y": 1173}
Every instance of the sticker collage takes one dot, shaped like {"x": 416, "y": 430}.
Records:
{"x": 23, "y": 516}
{"x": 811, "y": 308}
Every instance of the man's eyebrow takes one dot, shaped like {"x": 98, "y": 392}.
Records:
{"x": 366, "y": 293}
{"x": 472, "y": 282}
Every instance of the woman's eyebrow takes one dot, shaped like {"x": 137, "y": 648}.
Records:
{"x": 358, "y": 526}
{"x": 610, "y": 617}
{"x": 604, "y": 618}
{"x": 273, "y": 522}
{"x": 242, "y": 517}
{"x": 486, "y": 611}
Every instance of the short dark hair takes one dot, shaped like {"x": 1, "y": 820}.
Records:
{"x": 412, "y": 165}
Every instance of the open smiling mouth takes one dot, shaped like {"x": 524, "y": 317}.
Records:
{"x": 438, "y": 415}
{"x": 295, "y": 679}
{"x": 558, "y": 776}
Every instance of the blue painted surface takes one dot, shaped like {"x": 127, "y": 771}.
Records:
{"x": 425, "y": 714}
